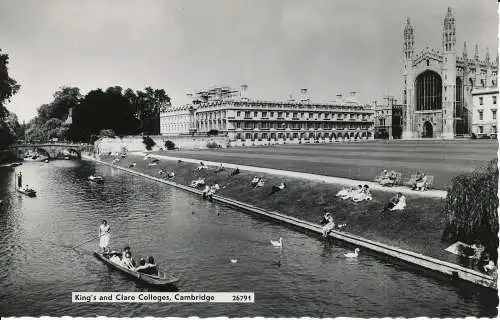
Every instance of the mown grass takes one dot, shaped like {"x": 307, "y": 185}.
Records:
{"x": 417, "y": 228}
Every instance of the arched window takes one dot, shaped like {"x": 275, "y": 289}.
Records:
{"x": 429, "y": 91}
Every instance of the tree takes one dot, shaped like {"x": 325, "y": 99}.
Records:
{"x": 148, "y": 142}
{"x": 471, "y": 209}
{"x": 8, "y": 86}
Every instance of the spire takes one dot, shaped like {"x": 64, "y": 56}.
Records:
{"x": 476, "y": 53}
{"x": 487, "y": 58}
{"x": 464, "y": 54}
{"x": 496, "y": 59}
{"x": 409, "y": 40}
{"x": 449, "y": 37}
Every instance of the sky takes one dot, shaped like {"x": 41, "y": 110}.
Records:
{"x": 276, "y": 47}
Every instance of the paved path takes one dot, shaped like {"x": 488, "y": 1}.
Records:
{"x": 309, "y": 176}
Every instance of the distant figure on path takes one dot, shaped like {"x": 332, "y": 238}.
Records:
{"x": 104, "y": 235}
{"x": 20, "y": 180}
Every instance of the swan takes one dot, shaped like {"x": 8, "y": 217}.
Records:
{"x": 234, "y": 260}
{"x": 352, "y": 254}
{"x": 278, "y": 243}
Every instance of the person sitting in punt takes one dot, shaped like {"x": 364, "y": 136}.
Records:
{"x": 363, "y": 195}
{"x": 278, "y": 188}
{"x": 235, "y": 172}
{"x": 142, "y": 266}
{"x": 254, "y": 181}
{"x": 151, "y": 267}
{"x": 127, "y": 260}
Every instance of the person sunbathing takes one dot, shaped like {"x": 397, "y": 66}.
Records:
{"x": 278, "y": 188}
{"x": 363, "y": 195}
{"x": 260, "y": 183}
{"x": 401, "y": 204}
{"x": 201, "y": 167}
{"x": 353, "y": 192}
{"x": 254, "y": 181}
{"x": 344, "y": 191}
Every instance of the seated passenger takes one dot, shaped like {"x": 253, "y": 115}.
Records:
{"x": 152, "y": 268}
{"x": 142, "y": 266}
{"x": 127, "y": 261}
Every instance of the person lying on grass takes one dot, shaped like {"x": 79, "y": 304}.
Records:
{"x": 278, "y": 188}
{"x": 364, "y": 194}
{"x": 260, "y": 184}
{"x": 352, "y": 193}
{"x": 397, "y": 202}
{"x": 254, "y": 181}
{"x": 202, "y": 166}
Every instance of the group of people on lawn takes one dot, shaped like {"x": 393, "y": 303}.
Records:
{"x": 389, "y": 178}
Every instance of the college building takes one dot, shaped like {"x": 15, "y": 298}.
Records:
{"x": 438, "y": 85}
{"x": 247, "y": 121}
{"x": 484, "y": 112}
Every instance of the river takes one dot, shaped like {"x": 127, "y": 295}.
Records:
{"x": 195, "y": 239}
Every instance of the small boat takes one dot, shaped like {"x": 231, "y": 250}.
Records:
{"x": 161, "y": 280}
{"x": 27, "y": 191}
{"x": 15, "y": 164}
{"x": 96, "y": 179}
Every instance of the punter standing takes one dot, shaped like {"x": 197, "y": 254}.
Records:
{"x": 104, "y": 235}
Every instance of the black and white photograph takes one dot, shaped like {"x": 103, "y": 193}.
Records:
{"x": 249, "y": 158}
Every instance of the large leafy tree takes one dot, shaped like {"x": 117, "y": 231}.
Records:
{"x": 8, "y": 86}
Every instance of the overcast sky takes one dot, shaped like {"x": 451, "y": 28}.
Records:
{"x": 276, "y": 47}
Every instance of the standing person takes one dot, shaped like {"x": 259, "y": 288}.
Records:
{"x": 20, "y": 180}
{"x": 104, "y": 235}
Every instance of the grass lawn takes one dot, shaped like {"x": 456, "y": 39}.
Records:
{"x": 363, "y": 161}
{"x": 417, "y": 228}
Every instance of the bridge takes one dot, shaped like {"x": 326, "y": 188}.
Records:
{"x": 53, "y": 150}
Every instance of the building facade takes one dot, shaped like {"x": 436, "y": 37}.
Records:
{"x": 484, "y": 112}
{"x": 438, "y": 85}
{"x": 388, "y": 118}
{"x": 254, "y": 122}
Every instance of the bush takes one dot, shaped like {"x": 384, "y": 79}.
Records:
{"x": 170, "y": 145}
{"x": 473, "y": 136}
{"x": 212, "y": 145}
{"x": 471, "y": 209}
{"x": 109, "y": 133}
{"x": 148, "y": 142}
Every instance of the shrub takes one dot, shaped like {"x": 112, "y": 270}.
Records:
{"x": 473, "y": 136}
{"x": 148, "y": 142}
{"x": 471, "y": 209}
{"x": 212, "y": 145}
{"x": 170, "y": 145}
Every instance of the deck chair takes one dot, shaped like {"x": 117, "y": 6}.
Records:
{"x": 429, "y": 182}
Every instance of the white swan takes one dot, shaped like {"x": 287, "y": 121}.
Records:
{"x": 278, "y": 243}
{"x": 352, "y": 254}
{"x": 234, "y": 260}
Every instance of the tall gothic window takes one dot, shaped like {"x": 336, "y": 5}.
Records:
{"x": 429, "y": 91}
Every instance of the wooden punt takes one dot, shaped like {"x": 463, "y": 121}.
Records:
{"x": 27, "y": 191}
{"x": 161, "y": 280}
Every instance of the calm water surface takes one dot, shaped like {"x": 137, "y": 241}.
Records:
{"x": 196, "y": 240}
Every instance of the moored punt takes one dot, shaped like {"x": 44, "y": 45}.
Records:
{"x": 27, "y": 191}
{"x": 97, "y": 179}
{"x": 161, "y": 280}
{"x": 15, "y": 164}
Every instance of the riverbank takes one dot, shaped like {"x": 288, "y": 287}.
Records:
{"x": 418, "y": 228}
